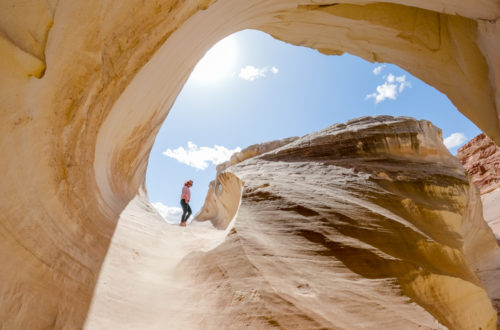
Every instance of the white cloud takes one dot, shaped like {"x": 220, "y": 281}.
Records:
{"x": 200, "y": 157}
{"x": 171, "y": 214}
{"x": 378, "y": 69}
{"x": 454, "y": 140}
{"x": 401, "y": 80}
{"x": 390, "y": 89}
{"x": 251, "y": 73}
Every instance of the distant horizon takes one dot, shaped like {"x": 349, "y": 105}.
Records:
{"x": 250, "y": 88}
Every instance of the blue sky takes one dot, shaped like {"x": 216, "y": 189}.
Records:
{"x": 251, "y": 88}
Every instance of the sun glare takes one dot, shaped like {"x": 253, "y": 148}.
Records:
{"x": 217, "y": 62}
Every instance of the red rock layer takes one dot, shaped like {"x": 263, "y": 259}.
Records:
{"x": 481, "y": 158}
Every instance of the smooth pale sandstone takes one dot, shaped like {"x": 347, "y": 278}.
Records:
{"x": 138, "y": 287}
{"x": 368, "y": 224}
{"x": 85, "y": 86}
{"x": 222, "y": 201}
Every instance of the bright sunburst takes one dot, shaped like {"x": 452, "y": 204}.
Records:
{"x": 217, "y": 62}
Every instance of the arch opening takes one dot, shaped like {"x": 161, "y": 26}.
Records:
{"x": 306, "y": 92}
{"x": 424, "y": 52}
{"x": 87, "y": 100}
{"x": 261, "y": 190}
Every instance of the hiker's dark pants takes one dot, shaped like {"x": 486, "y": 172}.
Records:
{"x": 186, "y": 210}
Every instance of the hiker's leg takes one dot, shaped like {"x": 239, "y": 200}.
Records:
{"x": 184, "y": 210}
{"x": 188, "y": 212}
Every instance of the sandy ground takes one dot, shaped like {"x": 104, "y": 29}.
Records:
{"x": 139, "y": 270}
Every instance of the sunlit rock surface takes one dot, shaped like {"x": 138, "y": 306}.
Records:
{"x": 481, "y": 159}
{"x": 222, "y": 201}
{"x": 86, "y": 85}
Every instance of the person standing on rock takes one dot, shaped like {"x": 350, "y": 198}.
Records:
{"x": 185, "y": 197}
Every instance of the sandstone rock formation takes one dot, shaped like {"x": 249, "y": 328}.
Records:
{"x": 481, "y": 159}
{"x": 222, "y": 201}
{"x": 221, "y": 205}
{"x": 368, "y": 224}
{"x": 376, "y": 199}
{"x": 85, "y": 86}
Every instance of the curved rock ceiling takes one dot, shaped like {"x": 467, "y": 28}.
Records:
{"x": 85, "y": 86}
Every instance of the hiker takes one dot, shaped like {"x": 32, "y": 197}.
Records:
{"x": 185, "y": 197}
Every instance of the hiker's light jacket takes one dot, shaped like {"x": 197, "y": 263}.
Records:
{"x": 186, "y": 194}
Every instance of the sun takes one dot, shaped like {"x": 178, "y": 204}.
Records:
{"x": 217, "y": 62}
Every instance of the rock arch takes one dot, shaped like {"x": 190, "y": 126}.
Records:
{"x": 86, "y": 85}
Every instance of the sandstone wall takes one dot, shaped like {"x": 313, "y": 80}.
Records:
{"x": 85, "y": 86}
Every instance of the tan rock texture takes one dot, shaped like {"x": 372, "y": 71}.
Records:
{"x": 369, "y": 224}
{"x": 85, "y": 86}
{"x": 481, "y": 158}
{"x": 222, "y": 201}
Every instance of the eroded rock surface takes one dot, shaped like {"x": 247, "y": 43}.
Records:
{"x": 481, "y": 159}
{"x": 368, "y": 224}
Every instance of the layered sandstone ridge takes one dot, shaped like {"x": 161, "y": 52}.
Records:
{"x": 254, "y": 150}
{"x": 481, "y": 159}
{"x": 86, "y": 85}
{"x": 367, "y": 224}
